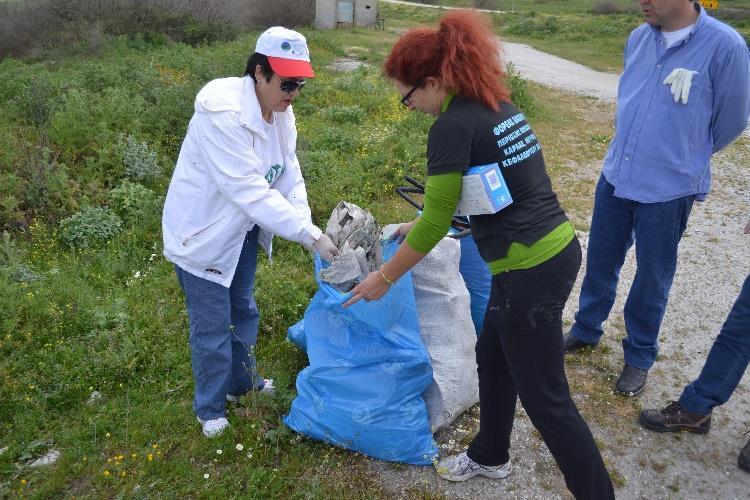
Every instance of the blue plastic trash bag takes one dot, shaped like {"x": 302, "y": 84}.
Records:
{"x": 296, "y": 334}
{"x": 368, "y": 370}
{"x": 478, "y": 280}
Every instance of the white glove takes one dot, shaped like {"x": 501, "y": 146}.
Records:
{"x": 325, "y": 247}
{"x": 680, "y": 80}
{"x": 400, "y": 233}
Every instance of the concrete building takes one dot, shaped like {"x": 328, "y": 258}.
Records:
{"x": 330, "y": 14}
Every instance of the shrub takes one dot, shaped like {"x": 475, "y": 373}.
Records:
{"x": 131, "y": 201}
{"x": 520, "y": 94}
{"x": 606, "y": 7}
{"x": 89, "y": 226}
{"x": 139, "y": 160}
{"x": 486, "y": 4}
{"x": 12, "y": 262}
{"x": 36, "y": 102}
{"x": 48, "y": 192}
{"x": 10, "y": 200}
{"x": 263, "y": 13}
{"x": 343, "y": 114}
{"x": 86, "y": 120}
{"x": 535, "y": 27}
{"x": 28, "y": 26}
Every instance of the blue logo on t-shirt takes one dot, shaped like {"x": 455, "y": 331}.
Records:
{"x": 517, "y": 143}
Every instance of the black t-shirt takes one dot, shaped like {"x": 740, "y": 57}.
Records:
{"x": 469, "y": 134}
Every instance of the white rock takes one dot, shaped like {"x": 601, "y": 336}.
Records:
{"x": 345, "y": 64}
{"x": 95, "y": 396}
{"x": 48, "y": 459}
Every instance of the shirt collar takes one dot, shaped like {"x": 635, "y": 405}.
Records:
{"x": 447, "y": 101}
{"x": 250, "y": 116}
{"x": 696, "y": 26}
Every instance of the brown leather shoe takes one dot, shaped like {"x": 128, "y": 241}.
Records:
{"x": 675, "y": 418}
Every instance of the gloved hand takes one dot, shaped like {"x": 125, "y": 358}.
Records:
{"x": 325, "y": 247}
{"x": 400, "y": 233}
{"x": 680, "y": 80}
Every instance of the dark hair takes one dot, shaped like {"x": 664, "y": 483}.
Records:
{"x": 261, "y": 60}
{"x": 463, "y": 51}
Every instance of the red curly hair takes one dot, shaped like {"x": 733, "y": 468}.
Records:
{"x": 463, "y": 51}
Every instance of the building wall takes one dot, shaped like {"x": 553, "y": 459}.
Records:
{"x": 328, "y": 13}
{"x": 325, "y": 14}
{"x": 365, "y": 12}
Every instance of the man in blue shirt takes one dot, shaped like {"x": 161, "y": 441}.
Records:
{"x": 684, "y": 94}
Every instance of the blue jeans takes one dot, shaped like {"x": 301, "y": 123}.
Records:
{"x": 656, "y": 229}
{"x": 726, "y": 362}
{"x": 223, "y": 333}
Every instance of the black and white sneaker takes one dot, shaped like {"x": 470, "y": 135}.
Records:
{"x": 460, "y": 468}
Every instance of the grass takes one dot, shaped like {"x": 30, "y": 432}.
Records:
{"x": 541, "y": 6}
{"x": 111, "y": 318}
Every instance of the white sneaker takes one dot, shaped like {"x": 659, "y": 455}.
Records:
{"x": 213, "y": 427}
{"x": 268, "y": 389}
{"x": 460, "y": 468}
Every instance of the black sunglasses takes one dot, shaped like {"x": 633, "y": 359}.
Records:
{"x": 405, "y": 99}
{"x": 290, "y": 86}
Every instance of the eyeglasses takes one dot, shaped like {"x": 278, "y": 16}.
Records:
{"x": 290, "y": 86}
{"x": 405, "y": 100}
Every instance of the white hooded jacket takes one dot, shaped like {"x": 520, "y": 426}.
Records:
{"x": 219, "y": 191}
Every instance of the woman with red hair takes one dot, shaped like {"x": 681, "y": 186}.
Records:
{"x": 455, "y": 74}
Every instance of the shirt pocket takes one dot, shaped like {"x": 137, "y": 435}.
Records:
{"x": 676, "y": 126}
{"x": 200, "y": 233}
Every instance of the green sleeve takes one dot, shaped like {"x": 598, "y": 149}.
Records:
{"x": 441, "y": 196}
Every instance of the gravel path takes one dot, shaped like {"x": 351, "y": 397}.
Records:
{"x": 714, "y": 260}
{"x": 560, "y": 73}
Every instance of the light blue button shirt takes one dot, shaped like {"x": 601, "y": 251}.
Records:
{"x": 662, "y": 149}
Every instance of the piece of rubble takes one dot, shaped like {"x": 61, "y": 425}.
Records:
{"x": 356, "y": 234}
{"x": 95, "y": 396}
{"x": 346, "y": 64}
{"x": 48, "y": 459}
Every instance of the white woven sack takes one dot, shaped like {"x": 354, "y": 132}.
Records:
{"x": 444, "y": 311}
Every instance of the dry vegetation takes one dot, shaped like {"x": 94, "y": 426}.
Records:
{"x": 40, "y": 27}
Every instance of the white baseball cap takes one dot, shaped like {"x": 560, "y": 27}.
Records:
{"x": 286, "y": 51}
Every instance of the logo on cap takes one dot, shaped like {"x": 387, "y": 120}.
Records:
{"x": 286, "y": 46}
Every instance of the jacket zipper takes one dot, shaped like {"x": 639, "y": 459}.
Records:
{"x": 185, "y": 240}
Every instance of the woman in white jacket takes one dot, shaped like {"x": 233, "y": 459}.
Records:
{"x": 237, "y": 182}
